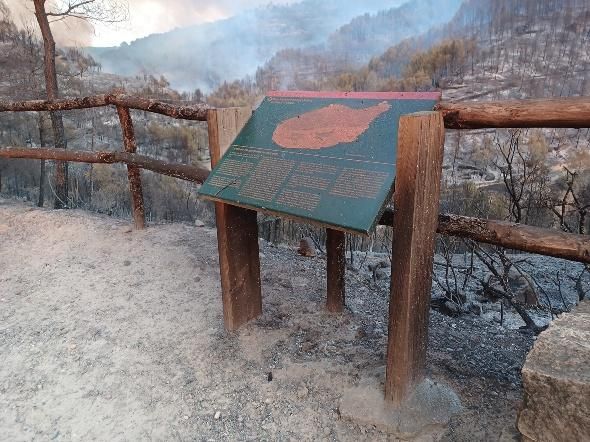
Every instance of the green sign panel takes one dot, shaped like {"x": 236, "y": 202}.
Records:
{"x": 327, "y": 158}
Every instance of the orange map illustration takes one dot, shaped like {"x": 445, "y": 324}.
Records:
{"x": 327, "y": 127}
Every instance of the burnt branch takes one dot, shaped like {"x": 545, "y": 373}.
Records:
{"x": 92, "y": 11}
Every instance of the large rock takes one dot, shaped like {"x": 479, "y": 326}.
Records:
{"x": 556, "y": 379}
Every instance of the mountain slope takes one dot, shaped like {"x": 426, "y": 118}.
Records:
{"x": 369, "y": 35}
{"x": 205, "y": 55}
{"x": 354, "y": 44}
{"x": 202, "y": 55}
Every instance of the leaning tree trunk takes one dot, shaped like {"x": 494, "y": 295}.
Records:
{"x": 51, "y": 87}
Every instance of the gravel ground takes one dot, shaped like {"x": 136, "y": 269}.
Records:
{"x": 109, "y": 334}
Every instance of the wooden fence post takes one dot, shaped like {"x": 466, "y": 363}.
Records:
{"x": 335, "y": 270}
{"x": 237, "y": 232}
{"x": 133, "y": 172}
{"x": 416, "y": 206}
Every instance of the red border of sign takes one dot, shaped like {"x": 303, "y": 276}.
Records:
{"x": 358, "y": 95}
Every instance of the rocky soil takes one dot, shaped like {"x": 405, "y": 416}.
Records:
{"x": 111, "y": 334}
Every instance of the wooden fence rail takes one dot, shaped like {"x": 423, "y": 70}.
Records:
{"x": 549, "y": 242}
{"x": 195, "y": 113}
{"x": 123, "y": 103}
{"x": 182, "y": 171}
{"x": 514, "y": 236}
{"x": 544, "y": 113}
{"x": 549, "y": 113}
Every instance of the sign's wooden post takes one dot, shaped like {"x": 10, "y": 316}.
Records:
{"x": 336, "y": 270}
{"x": 237, "y": 231}
{"x": 416, "y": 206}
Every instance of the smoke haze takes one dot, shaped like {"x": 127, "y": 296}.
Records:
{"x": 201, "y": 43}
{"x": 146, "y": 17}
{"x": 342, "y": 32}
{"x": 66, "y": 33}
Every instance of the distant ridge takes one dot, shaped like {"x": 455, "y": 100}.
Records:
{"x": 202, "y": 56}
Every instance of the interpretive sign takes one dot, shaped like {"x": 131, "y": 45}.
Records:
{"x": 327, "y": 158}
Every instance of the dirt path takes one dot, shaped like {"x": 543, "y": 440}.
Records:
{"x": 109, "y": 334}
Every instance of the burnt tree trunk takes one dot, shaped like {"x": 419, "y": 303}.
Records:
{"x": 52, "y": 91}
{"x": 42, "y": 143}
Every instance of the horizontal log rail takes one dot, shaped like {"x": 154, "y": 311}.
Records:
{"x": 543, "y": 113}
{"x": 181, "y": 171}
{"x": 513, "y": 236}
{"x": 195, "y": 113}
{"x": 549, "y": 242}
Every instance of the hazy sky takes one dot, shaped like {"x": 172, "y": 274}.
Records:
{"x": 146, "y": 17}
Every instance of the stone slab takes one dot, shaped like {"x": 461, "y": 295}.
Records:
{"x": 556, "y": 378}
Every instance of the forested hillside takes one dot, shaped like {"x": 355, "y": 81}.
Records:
{"x": 539, "y": 45}
{"x": 205, "y": 55}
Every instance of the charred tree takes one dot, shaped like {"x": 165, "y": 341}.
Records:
{"x": 42, "y": 143}
{"x": 92, "y": 11}
{"x": 52, "y": 91}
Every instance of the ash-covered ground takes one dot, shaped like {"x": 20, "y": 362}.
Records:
{"x": 112, "y": 334}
